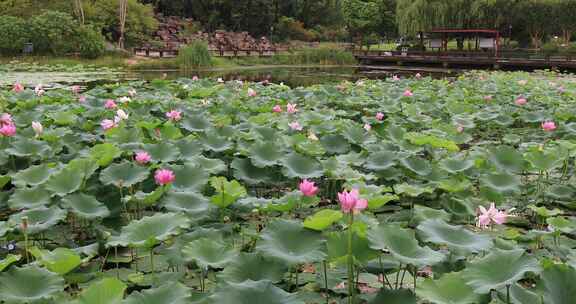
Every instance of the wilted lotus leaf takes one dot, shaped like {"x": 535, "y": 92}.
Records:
{"x": 290, "y": 242}
{"x": 150, "y": 230}
{"x": 498, "y": 269}
{"x": 403, "y": 245}
{"x": 29, "y": 284}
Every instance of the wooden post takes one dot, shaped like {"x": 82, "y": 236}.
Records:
{"x": 123, "y": 12}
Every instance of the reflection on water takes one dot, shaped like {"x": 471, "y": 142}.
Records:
{"x": 293, "y": 76}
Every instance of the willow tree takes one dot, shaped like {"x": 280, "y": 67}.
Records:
{"x": 122, "y": 15}
{"x": 413, "y": 16}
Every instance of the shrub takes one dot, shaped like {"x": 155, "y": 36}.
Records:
{"x": 53, "y": 32}
{"x": 91, "y": 44}
{"x": 14, "y": 33}
{"x": 194, "y": 55}
{"x": 289, "y": 28}
{"x": 324, "y": 55}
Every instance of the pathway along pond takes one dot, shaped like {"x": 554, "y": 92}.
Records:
{"x": 293, "y": 76}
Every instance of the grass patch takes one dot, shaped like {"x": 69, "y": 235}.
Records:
{"x": 194, "y": 55}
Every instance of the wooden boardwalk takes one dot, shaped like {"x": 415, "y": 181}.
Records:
{"x": 468, "y": 59}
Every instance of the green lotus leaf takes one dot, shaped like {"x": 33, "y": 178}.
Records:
{"x": 163, "y": 152}
{"x": 498, "y": 269}
{"x": 399, "y": 296}
{"x": 562, "y": 224}
{"x": 66, "y": 181}
{"x": 356, "y": 134}
{"x": 32, "y": 176}
{"x": 105, "y": 291}
{"x": 208, "y": 253}
{"x": 422, "y": 213}
{"x": 188, "y": 202}
{"x": 251, "y": 292}
{"x": 502, "y": 183}
{"x": 455, "y": 184}
{"x": 290, "y": 242}
{"x": 412, "y": 190}
{"x": 250, "y": 266}
{"x": 29, "y": 284}
{"x": 559, "y": 284}
{"x": 403, "y": 245}
{"x": 507, "y": 158}
{"x": 214, "y": 142}
{"x": 300, "y": 166}
{"x": 560, "y": 192}
{"x": 195, "y": 123}
{"x": 543, "y": 160}
{"x": 335, "y": 144}
{"x": 381, "y": 160}
{"x": 170, "y": 132}
{"x": 246, "y": 171}
{"x": 85, "y": 165}
{"x": 456, "y": 165}
{"x": 456, "y": 237}
{"x": 533, "y": 116}
{"x": 125, "y": 136}
{"x": 124, "y": 174}
{"x": 60, "y": 260}
{"x": 265, "y": 154}
{"x": 449, "y": 289}
{"x": 323, "y": 219}
{"x": 150, "y": 230}
{"x": 189, "y": 149}
{"x": 486, "y": 115}
{"x": 170, "y": 293}
{"x": 29, "y": 198}
{"x": 9, "y": 260}
{"x": 417, "y": 165}
{"x": 63, "y": 118}
{"x": 545, "y": 212}
{"x": 211, "y": 166}
{"x": 105, "y": 153}
{"x": 39, "y": 219}
{"x": 86, "y": 206}
{"x": 419, "y": 139}
{"x": 377, "y": 201}
{"x": 521, "y": 295}
{"x": 189, "y": 177}
{"x": 24, "y": 147}
{"x": 4, "y": 180}
{"x": 571, "y": 127}
{"x": 337, "y": 246}
{"x": 227, "y": 192}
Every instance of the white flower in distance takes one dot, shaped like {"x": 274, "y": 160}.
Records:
{"x": 38, "y": 129}
{"x": 121, "y": 115}
{"x": 124, "y": 99}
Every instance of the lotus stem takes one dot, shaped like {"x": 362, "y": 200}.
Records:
{"x": 350, "y": 260}
{"x": 24, "y": 226}
{"x": 152, "y": 259}
{"x": 326, "y": 282}
{"x": 508, "y": 294}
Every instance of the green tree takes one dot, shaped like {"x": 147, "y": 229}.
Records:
{"x": 538, "y": 17}
{"x": 361, "y": 17}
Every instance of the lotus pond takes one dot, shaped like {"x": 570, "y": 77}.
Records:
{"x": 412, "y": 190}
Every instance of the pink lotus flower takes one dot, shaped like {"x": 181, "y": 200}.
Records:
{"x": 291, "y": 108}
{"x": 351, "y": 201}
{"x": 395, "y": 78}
{"x": 488, "y": 97}
{"x": 492, "y": 215}
{"x": 548, "y": 126}
{"x": 418, "y": 76}
{"x": 142, "y": 157}
{"x": 295, "y": 126}
{"x": 107, "y": 124}
{"x": 82, "y": 99}
{"x": 367, "y": 127}
{"x": 174, "y": 115}
{"x": 132, "y": 93}
{"x": 39, "y": 90}
{"x": 277, "y": 109}
{"x": 520, "y": 101}
{"x": 38, "y": 128}
{"x": 120, "y": 116}
{"x": 379, "y": 116}
{"x": 522, "y": 82}
{"x": 164, "y": 176}
{"x": 110, "y": 104}
{"x": 252, "y": 92}
{"x": 308, "y": 188}
{"x": 561, "y": 90}
{"x": 459, "y": 128}
{"x": 195, "y": 78}
{"x": 75, "y": 89}
{"x": 8, "y": 130}
{"x": 408, "y": 93}
{"x": 6, "y": 119}
{"x": 18, "y": 88}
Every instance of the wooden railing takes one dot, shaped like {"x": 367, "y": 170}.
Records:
{"x": 167, "y": 53}
{"x": 502, "y": 55}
